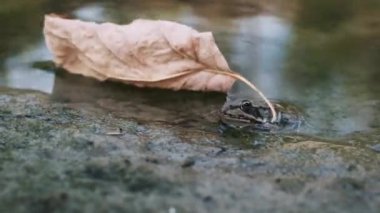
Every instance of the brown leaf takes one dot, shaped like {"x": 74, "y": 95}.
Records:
{"x": 144, "y": 53}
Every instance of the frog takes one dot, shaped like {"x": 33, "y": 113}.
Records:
{"x": 255, "y": 115}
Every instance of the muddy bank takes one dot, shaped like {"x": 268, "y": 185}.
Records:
{"x": 65, "y": 157}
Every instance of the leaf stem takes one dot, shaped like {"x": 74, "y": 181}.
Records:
{"x": 252, "y": 86}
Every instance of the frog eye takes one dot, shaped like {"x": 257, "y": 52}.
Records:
{"x": 245, "y": 105}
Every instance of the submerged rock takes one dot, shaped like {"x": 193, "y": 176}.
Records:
{"x": 61, "y": 157}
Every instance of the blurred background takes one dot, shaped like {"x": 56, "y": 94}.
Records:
{"x": 322, "y": 55}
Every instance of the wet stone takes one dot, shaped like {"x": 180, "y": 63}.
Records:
{"x": 58, "y": 157}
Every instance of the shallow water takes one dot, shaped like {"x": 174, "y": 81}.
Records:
{"x": 322, "y": 56}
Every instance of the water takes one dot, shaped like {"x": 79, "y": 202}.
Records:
{"x": 323, "y": 56}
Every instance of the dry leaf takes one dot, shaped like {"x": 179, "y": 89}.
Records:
{"x": 144, "y": 53}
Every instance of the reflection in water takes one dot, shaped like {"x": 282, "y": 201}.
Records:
{"x": 92, "y": 12}
{"x": 325, "y": 15}
{"x": 188, "y": 109}
{"x": 20, "y": 74}
{"x": 259, "y": 50}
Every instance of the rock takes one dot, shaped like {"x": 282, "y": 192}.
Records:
{"x": 59, "y": 157}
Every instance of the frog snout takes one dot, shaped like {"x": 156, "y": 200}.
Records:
{"x": 264, "y": 113}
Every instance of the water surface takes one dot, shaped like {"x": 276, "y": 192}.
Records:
{"x": 321, "y": 55}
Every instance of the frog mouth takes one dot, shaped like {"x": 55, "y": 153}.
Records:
{"x": 244, "y": 118}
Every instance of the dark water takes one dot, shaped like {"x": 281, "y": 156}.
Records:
{"x": 323, "y": 56}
